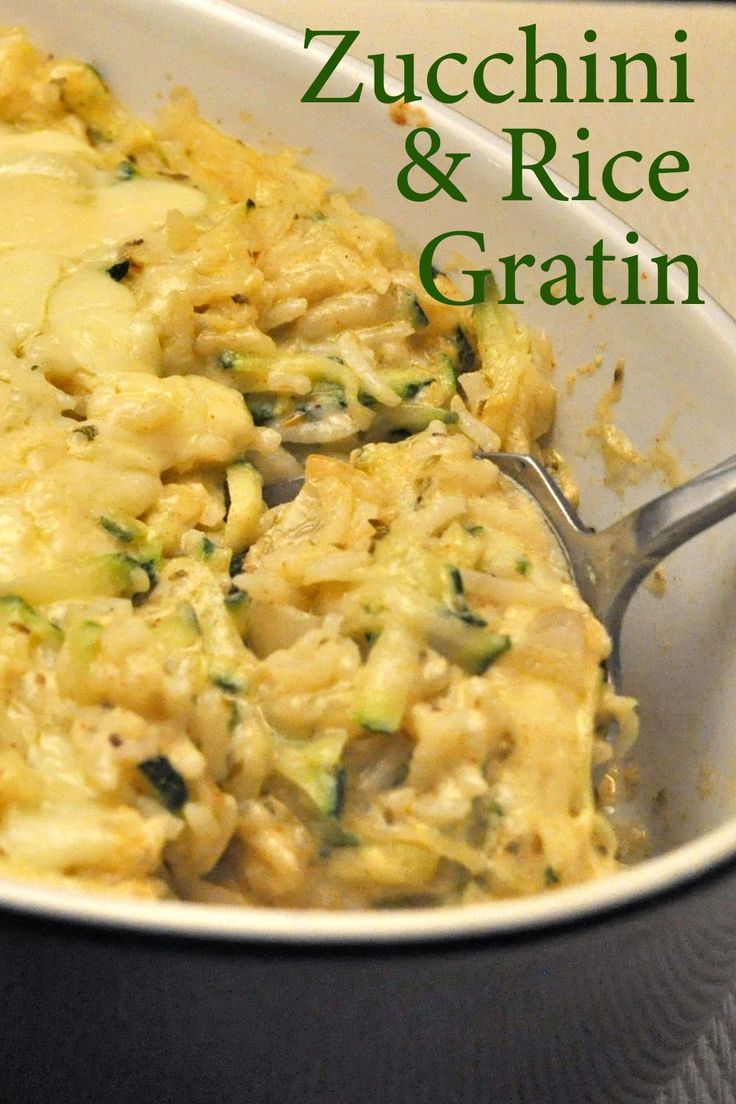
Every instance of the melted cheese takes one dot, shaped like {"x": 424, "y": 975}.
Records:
{"x": 62, "y": 220}
{"x": 54, "y": 199}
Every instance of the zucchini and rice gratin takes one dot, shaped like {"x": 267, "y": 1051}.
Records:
{"x": 386, "y": 692}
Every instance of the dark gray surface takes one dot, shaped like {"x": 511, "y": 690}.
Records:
{"x": 600, "y": 1012}
{"x": 708, "y": 1076}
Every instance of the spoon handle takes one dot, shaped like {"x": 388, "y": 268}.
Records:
{"x": 662, "y": 525}
{"x": 629, "y": 549}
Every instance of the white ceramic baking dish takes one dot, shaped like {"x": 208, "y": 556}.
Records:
{"x": 557, "y": 986}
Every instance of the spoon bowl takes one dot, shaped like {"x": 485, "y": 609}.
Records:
{"x": 608, "y": 565}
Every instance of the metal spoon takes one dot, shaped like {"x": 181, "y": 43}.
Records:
{"x": 607, "y": 566}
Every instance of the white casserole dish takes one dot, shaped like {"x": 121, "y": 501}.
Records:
{"x": 678, "y": 652}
